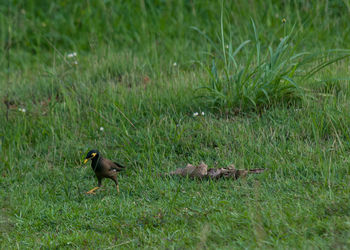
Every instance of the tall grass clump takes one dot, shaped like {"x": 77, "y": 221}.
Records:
{"x": 259, "y": 79}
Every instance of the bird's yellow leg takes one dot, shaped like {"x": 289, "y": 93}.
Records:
{"x": 118, "y": 189}
{"x": 92, "y": 191}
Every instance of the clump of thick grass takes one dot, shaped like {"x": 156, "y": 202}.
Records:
{"x": 261, "y": 78}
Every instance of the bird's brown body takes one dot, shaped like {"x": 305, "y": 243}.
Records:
{"x": 103, "y": 168}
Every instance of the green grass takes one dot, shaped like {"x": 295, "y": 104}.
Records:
{"x": 126, "y": 82}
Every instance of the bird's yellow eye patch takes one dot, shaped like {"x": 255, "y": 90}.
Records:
{"x": 87, "y": 159}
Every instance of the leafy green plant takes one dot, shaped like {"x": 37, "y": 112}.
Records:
{"x": 261, "y": 79}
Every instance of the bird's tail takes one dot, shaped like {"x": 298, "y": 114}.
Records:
{"x": 120, "y": 167}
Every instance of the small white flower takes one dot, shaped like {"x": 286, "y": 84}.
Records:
{"x": 202, "y": 113}
{"x": 73, "y": 54}
{"x": 22, "y": 110}
{"x": 75, "y": 62}
{"x": 101, "y": 129}
{"x": 195, "y": 114}
{"x": 226, "y": 46}
{"x": 174, "y": 64}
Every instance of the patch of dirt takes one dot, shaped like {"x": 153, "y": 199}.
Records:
{"x": 10, "y": 104}
{"x": 202, "y": 172}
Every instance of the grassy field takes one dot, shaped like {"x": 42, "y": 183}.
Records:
{"x": 141, "y": 70}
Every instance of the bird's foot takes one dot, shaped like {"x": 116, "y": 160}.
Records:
{"x": 92, "y": 191}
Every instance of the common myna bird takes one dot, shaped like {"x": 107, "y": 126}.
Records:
{"x": 103, "y": 168}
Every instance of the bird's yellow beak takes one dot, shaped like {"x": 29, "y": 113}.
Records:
{"x": 87, "y": 159}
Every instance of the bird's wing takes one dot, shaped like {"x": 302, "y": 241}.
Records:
{"x": 114, "y": 165}
{"x": 121, "y": 167}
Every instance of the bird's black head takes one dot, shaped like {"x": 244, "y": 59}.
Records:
{"x": 91, "y": 155}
